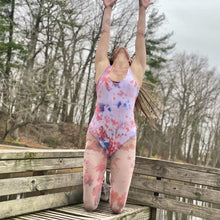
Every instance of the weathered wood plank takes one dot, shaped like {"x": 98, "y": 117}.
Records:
{"x": 171, "y": 170}
{"x": 53, "y": 216}
{"x": 63, "y": 214}
{"x": 80, "y": 211}
{"x": 38, "y": 173}
{"x": 32, "y": 217}
{"x": 143, "y": 215}
{"x": 176, "y": 189}
{"x": 38, "y": 183}
{"x": 28, "y": 218}
{"x": 146, "y": 198}
{"x": 103, "y": 212}
{"x": 166, "y": 163}
{"x": 153, "y": 215}
{"x": 33, "y": 204}
{"x": 38, "y": 154}
{"x": 159, "y": 164}
{"x": 13, "y": 166}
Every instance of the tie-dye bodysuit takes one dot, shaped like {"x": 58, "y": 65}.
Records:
{"x": 113, "y": 121}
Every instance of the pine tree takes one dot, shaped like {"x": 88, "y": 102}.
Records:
{"x": 8, "y": 46}
{"x": 157, "y": 48}
{"x": 3, "y": 31}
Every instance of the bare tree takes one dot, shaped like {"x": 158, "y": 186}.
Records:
{"x": 191, "y": 91}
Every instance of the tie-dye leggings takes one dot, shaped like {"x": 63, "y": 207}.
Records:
{"x": 121, "y": 168}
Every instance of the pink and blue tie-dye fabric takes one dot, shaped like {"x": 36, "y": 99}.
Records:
{"x": 113, "y": 121}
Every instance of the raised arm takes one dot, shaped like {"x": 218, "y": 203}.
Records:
{"x": 101, "y": 57}
{"x": 139, "y": 63}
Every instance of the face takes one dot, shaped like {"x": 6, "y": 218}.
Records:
{"x": 121, "y": 51}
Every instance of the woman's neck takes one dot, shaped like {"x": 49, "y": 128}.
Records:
{"x": 120, "y": 69}
{"x": 120, "y": 66}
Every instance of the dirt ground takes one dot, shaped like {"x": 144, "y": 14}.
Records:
{"x": 46, "y": 136}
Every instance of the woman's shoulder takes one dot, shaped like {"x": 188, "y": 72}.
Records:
{"x": 100, "y": 69}
{"x": 138, "y": 72}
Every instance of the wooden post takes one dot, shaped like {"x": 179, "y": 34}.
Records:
{"x": 154, "y": 210}
{"x": 153, "y": 214}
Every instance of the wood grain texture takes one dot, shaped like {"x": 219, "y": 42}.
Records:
{"x": 176, "y": 180}
{"x": 176, "y": 189}
{"x": 33, "y": 204}
{"x": 37, "y": 154}
{"x": 13, "y": 166}
{"x": 144, "y": 162}
{"x": 38, "y": 183}
{"x": 159, "y": 162}
{"x": 177, "y": 171}
{"x": 103, "y": 212}
{"x": 146, "y": 198}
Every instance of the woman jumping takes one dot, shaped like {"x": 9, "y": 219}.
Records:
{"x": 112, "y": 130}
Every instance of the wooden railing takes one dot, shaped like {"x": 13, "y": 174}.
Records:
{"x": 53, "y": 178}
{"x": 161, "y": 184}
{"x": 42, "y": 178}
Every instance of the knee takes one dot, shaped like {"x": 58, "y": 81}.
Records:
{"x": 116, "y": 209}
{"x": 89, "y": 206}
{"x": 89, "y": 203}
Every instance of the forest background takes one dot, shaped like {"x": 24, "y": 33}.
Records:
{"x": 47, "y": 88}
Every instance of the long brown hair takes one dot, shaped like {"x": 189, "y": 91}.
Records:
{"x": 148, "y": 103}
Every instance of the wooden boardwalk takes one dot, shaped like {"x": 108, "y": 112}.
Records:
{"x": 76, "y": 212}
{"x": 48, "y": 184}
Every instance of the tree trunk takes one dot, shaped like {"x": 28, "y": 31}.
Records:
{"x": 82, "y": 121}
{"x": 93, "y": 105}
{"x": 190, "y": 145}
{"x": 9, "y": 55}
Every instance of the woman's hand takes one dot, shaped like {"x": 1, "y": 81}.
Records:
{"x": 145, "y": 3}
{"x": 109, "y": 3}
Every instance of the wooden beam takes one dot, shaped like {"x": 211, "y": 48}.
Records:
{"x": 167, "y": 163}
{"x": 103, "y": 212}
{"x": 146, "y": 198}
{"x": 39, "y": 154}
{"x": 153, "y": 215}
{"x": 176, "y": 171}
{"x": 39, "y": 183}
{"x": 13, "y": 166}
{"x": 170, "y": 187}
{"x": 33, "y": 204}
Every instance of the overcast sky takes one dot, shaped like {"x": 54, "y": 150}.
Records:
{"x": 196, "y": 26}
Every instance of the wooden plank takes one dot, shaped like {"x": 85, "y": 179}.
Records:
{"x": 38, "y": 183}
{"x": 153, "y": 215}
{"x": 66, "y": 215}
{"x": 83, "y": 213}
{"x": 159, "y": 164}
{"x": 37, "y": 153}
{"x": 38, "y": 173}
{"x": 33, "y": 204}
{"x": 52, "y": 215}
{"x": 32, "y": 217}
{"x": 103, "y": 212}
{"x": 166, "y": 163}
{"x": 175, "y": 171}
{"x": 13, "y": 166}
{"x": 137, "y": 215}
{"x": 176, "y": 189}
{"x": 147, "y": 198}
